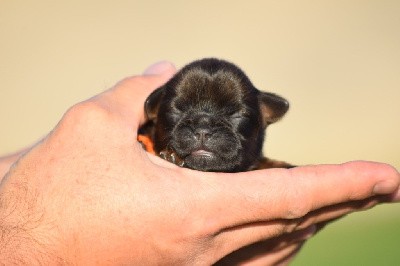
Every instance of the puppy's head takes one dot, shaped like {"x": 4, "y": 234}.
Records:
{"x": 212, "y": 117}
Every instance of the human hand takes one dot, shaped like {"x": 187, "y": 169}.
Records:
{"x": 89, "y": 194}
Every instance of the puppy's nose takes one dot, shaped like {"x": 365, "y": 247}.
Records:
{"x": 202, "y": 133}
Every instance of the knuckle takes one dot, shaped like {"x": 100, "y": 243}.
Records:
{"x": 298, "y": 202}
{"x": 135, "y": 81}
{"x": 284, "y": 228}
{"x": 297, "y": 210}
{"x": 87, "y": 109}
{"x": 83, "y": 117}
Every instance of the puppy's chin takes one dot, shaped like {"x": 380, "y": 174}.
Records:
{"x": 219, "y": 152}
{"x": 208, "y": 161}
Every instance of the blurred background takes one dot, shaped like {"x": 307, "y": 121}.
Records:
{"x": 337, "y": 62}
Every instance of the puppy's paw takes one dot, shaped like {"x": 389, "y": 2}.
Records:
{"x": 171, "y": 157}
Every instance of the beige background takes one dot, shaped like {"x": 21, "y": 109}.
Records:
{"x": 338, "y": 62}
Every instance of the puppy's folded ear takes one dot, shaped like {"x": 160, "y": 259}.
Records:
{"x": 152, "y": 103}
{"x": 272, "y": 106}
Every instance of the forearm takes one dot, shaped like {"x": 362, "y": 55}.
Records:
{"x": 18, "y": 243}
{"x": 25, "y": 236}
{"x": 19, "y": 247}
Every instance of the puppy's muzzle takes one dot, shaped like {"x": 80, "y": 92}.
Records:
{"x": 202, "y": 134}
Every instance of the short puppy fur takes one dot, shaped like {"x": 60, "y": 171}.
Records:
{"x": 210, "y": 117}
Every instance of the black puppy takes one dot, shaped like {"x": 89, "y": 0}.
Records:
{"x": 210, "y": 117}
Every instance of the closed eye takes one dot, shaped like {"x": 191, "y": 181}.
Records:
{"x": 239, "y": 114}
{"x": 236, "y": 116}
{"x": 237, "y": 119}
{"x": 242, "y": 117}
{"x": 175, "y": 115}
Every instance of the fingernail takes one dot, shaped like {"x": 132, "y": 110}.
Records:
{"x": 304, "y": 234}
{"x": 159, "y": 68}
{"x": 396, "y": 196}
{"x": 311, "y": 231}
{"x": 385, "y": 187}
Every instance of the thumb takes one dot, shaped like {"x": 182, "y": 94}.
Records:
{"x": 127, "y": 97}
{"x": 160, "y": 68}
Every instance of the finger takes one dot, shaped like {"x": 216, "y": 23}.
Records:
{"x": 395, "y": 197}
{"x": 159, "y": 161}
{"x": 253, "y": 233}
{"x": 280, "y": 257}
{"x": 289, "y": 258}
{"x": 121, "y": 107}
{"x": 332, "y": 213}
{"x": 160, "y": 68}
{"x": 127, "y": 97}
{"x": 267, "y": 258}
{"x": 243, "y": 204}
{"x": 268, "y": 249}
{"x": 321, "y": 218}
{"x": 257, "y": 196}
{"x": 284, "y": 231}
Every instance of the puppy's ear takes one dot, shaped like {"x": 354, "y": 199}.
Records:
{"x": 152, "y": 103}
{"x": 272, "y": 106}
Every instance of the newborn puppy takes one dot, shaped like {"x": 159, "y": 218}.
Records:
{"x": 210, "y": 117}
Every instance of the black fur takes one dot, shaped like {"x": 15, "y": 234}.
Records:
{"x": 210, "y": 117}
